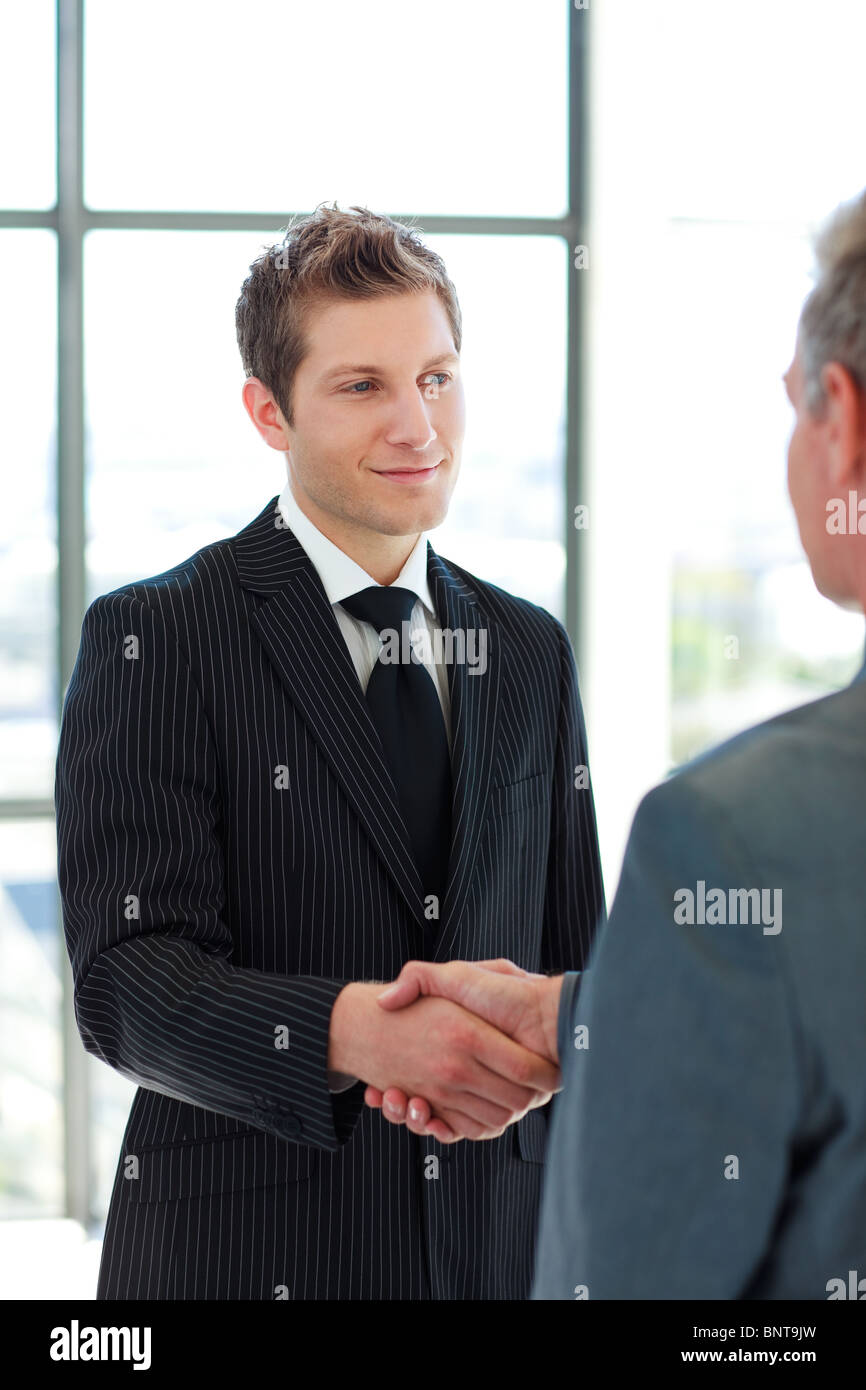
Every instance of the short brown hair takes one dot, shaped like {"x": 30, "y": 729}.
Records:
{"x": 330, "y": 254}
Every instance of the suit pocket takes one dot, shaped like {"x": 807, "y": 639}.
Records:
{"x": 530, "y": 1141}
{"x": 520, "y": 796}
{"x": 198, "y": 1168}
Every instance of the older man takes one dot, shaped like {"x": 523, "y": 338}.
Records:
{"x": 710, "y": 1141}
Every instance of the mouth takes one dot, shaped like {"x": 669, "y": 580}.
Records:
{"x": 408, "y": 475}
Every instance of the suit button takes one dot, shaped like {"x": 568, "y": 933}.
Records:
{"x": 292, "y": 1126}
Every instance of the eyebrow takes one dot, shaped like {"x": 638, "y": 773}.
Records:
{"x": 365, "y": 368}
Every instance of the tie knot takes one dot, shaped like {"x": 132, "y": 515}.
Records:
{"x": 382, "y": 605}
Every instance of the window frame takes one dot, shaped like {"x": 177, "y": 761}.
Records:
{"x": 71, "y": 220}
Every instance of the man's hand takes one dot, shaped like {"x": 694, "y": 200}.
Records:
{"x": 475, "y": 1078}
{"x": 521, "y": 1004}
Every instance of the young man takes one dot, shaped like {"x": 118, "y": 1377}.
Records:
{"x": 257, "y": 816}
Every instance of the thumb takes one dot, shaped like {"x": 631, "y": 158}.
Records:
{"x": 504, "y": 967}
{"x": 405, "y": 989}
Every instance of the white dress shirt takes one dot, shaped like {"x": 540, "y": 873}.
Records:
{"x": 341, "y": 577}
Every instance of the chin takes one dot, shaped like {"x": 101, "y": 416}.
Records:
{"x": 850, "y": 602}
{"x": 833, "y": 589}
{"x": 414, "y": 520}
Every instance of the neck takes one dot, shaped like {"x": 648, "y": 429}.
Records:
{"x": 383, "y": 557}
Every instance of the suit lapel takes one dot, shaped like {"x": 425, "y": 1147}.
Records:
{"x": 474, "y": 721}
{"x": 300, "y": 634}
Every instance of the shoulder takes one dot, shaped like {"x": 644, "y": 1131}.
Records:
{"x": 199, "y": 577}
{"x": 519, "y": 617}
{"x": 767, "y": 773}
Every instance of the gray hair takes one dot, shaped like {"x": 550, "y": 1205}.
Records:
{"x": 832, "y": 324}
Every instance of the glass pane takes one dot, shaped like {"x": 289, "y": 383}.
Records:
{"x": 31, "y": 990}
{"x": 455, "y": 108}
{"x": 764, "y": 120}
{"x": 28, "y": 117}
{"x": 175, "y": 462}
{"x": 746, "y": 134}
{"x": 28, "y": 523}
{"x": 506, "y": 520}
{"x": 111, "y": 1097}
{"x": 739, "y": 569}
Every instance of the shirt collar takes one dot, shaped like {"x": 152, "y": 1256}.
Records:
{"x": 339, "y": 573}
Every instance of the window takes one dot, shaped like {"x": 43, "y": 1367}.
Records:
{"x": 202, "y": 131}
{"x": 717, "y": 146}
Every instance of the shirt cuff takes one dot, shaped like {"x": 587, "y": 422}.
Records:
{"x": 340, "y": 1081}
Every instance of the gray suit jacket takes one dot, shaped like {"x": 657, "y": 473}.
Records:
{"x": 710, "y": 1138}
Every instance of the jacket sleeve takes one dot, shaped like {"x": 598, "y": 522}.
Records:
{"x": 668, "y": 1155}
{"x": 574, "y": 903}
{"x": 142, "y": 885}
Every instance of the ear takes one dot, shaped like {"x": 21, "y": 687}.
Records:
{"x": 845, "y": 421}
{"x": 265, "y": 413}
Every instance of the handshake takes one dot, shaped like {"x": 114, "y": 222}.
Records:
{"x": 457, "y": 1051}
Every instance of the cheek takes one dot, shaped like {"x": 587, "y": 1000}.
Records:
{"x": 460, "y": 411}
{"x": 797, "y": 473}
{"x": 792, "y": 463}
{"x": 344, "y": 439}
{"x": 808, "y": 493}
{"x": 453, "y": 414}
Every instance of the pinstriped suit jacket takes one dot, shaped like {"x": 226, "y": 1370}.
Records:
{"x": 230, "y": 855}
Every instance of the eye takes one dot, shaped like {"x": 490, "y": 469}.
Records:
{"x": 435, "y": 382}
{"x": 350, "y": 390}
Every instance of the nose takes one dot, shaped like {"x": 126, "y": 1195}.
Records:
{"x": 410, "y": 423}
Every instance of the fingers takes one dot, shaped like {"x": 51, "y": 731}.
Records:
{"x": 395, "y": 1106}
{"x": 417, "y": 1115}
{"x": 460, "y": 1127}
{"x": 423, "y": 977}
{"x": 468, "y": 1128}
{"x": 488, "y": 1076}
{"x": 398, "y": 1109}
{"x": 515, "y": 1064}
{"x": 480, "y": 1079}
{"x": 543, "y": 1098}
{"x": 443, "y": 1132}
{"x": 488, "y": 1114}
{"x": 492, "y": 1100}
{"x": 483, "y": 1097}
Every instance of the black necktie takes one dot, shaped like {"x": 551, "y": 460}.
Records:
{"x": 405, "y": 707}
